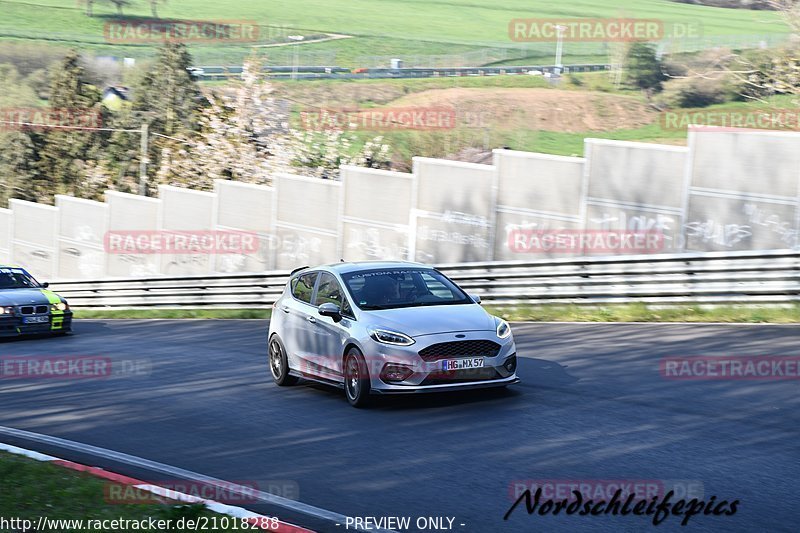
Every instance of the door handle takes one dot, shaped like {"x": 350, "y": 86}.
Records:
{"x": 285, "y": 309}
{"x": 311, "y": 319}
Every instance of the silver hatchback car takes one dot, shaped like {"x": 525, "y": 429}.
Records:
{"x": 386, "y": 328}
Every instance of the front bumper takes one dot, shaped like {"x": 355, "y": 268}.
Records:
{"x": 498, "y": 370}
{"x": 14, "y": 326}
{"x": 449, "y": 387}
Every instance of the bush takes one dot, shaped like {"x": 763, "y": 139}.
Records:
{"x": 644, "y": 68}
{"x": 674, "y": 68}
{"x": 685, "y": 92}
{"x": 39, "y": 81}
{"x": 765, "y": 73}
{"x": 694, "y": 92}
{"x": 574, "y": 80}
{"x": 29, "y": 57}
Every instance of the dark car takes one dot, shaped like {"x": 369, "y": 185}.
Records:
{"x": 28, "y": 308}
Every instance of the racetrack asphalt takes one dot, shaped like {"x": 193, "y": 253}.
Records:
{"x": 592, "y": 405}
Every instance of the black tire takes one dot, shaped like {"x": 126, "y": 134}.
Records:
{"x": 356, "y": 379}
{"x": 279, "y": 364}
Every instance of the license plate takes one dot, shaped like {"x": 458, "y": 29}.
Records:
{"x": 462, "y": 364}
{"x": 36, "y": 319}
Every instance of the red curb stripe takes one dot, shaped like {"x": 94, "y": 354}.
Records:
{"x": 99, "y": 472}
{"x": 283, "y": 527}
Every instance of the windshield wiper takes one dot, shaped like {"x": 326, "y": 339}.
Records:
{"x": 389, "y": 306}
{"x": 427, "y": 304}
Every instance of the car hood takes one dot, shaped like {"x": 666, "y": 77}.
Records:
{"x": 22, "y": 297}
{"x": 417, "y": 321}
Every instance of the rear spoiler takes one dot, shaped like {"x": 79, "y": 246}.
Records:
{"x": 292, "y": 273}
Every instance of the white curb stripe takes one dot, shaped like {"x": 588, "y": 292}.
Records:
{"x": 214, "y": 506}
{"x": 27, "y": 453}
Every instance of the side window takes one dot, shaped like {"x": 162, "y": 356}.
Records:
{"x": 328, "y": 291}
{"x": 303, "y": 286}
{"x": 346, "y": 310}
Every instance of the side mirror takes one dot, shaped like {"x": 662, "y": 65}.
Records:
{"x": 475, "y": 298}
{"x": 330, "y": 309}
{"x": 45, "y": 285}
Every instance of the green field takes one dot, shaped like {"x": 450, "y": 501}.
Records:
{"x": 447, "y": 31}
{"x": 401, "y": 28}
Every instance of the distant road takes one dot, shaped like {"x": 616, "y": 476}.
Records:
{"x": 334, "y": 72}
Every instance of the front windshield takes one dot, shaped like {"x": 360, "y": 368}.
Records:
{"x": 12, "y": 278}
{"x": 402, "y": 287}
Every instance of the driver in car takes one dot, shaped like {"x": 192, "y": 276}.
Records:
{"x": 379, "y": 290}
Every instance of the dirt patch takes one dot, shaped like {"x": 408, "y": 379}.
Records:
{"x": 335, "y": 95}
{"x": 538, "y": 109}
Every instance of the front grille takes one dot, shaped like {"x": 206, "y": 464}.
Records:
{"x": 458, "y": 349}
{"x": 31, "y": 310}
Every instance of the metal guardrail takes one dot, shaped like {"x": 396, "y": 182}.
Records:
{"x": 313, "y": 72}
{"x": 707, "y": 278}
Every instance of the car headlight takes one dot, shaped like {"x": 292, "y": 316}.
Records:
{"x": 6, "y": 310}
{"x": 391, "y": 337}
{"x": 503, "y": 329}
{"x": 60, "y": 306}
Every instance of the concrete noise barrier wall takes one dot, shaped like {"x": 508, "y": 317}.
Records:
{"x": 727, "y": 190}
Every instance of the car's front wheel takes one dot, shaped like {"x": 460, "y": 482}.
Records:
{"x": 356, "y": 378}
{"x": 279, "y": 364}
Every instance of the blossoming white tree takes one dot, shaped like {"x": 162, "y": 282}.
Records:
{"x": 245, "y": 135}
